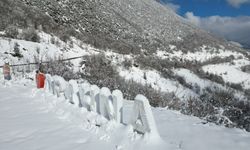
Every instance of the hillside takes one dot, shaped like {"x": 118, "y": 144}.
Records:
{"x": 138, "y": 46}
{"x": 125, "y": 26}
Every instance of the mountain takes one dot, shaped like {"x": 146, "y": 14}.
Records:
{"x": 138, "y": 46}
{"x": 126, "y": 26}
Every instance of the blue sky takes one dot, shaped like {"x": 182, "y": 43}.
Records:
{"x": 206, "y": 8}
{"x": 226, "y": 18}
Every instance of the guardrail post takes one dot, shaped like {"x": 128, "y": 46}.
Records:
{"x": 84, "y": 95}
{"x": 105, "y": 103}
{"x": 48, "y": 83}
{"x": 118, "y": 103}
{"x": 74, "y": 99}
{"x": 142, "y": 118}
{"x": 94, "y": 94}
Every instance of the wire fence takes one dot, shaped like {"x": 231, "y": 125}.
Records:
{"x": 37, "y": 63}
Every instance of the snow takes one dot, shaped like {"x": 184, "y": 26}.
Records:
{"x": 59, "y": 83}
{"x": 190, "y": 77}
{"x": 201, "y": 55}
{"x": 153, "y": 78}
{"x": 84, "y": 95}
{"x": 193, "y": 79}
{"x": 142, "y": 118}
{"x": 31, "y": 119}
{"x": 94, "y": 93}
{"x": 106, "y": 106}
{"x": 74, "y": 90}
{"x": 191, "y": 133}
{"x": 117, "y": 98}
{"x": 45, "y": 50}
{"x": 231, "y": 72}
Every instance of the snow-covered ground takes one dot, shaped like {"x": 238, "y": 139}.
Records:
{"x": 156, "y": 81}
{"x": 201, "y": 55}
{"x": 32, "y": 119}
{"x": 43, "y": 51}
{"x": 193, "y": 79}
{"x": 231, "y": 73}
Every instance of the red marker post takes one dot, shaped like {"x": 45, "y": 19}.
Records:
{"x": 40, "y": 80}
{"x": 6, "y": 71}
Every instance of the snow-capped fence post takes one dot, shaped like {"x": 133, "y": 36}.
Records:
{"x": 105, "y": 104}
{"x": 48, "y": 83}
{"x": 94, "y": 94}
{"x": 142, "y": 118}
{"x": 84, "y": 95}
{"x": 59, "y": 85}
{"x": 68, "y": 92}
{"x": 118, "y": 103}
{"x": 53, "y": 87}
{"x": 74, "y": 99}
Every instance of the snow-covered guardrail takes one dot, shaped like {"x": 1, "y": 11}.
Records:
{"x": 104, "y": 102}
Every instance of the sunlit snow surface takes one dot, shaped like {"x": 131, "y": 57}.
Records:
{"x": 231, "y": 73}
{"x": 31, "y": 119}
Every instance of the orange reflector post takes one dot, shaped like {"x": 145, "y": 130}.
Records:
{"x": 40, "y": 80}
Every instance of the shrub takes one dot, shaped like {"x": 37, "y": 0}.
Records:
{"x": 60, "y": 68}
{"x": 11, "y": 32}
{"x": 198, "y": 108}
{"x": 209, "y": 76}
{"x": 246, "y": 68}
{"x": 236, "y": 86}
{"x": 65, "y": 37}
{"x": 127, "y": 63}
{"x": 218, "y": 97}
{"x": 98, "y": 70}
{"x": 183, "y": 82}
{"x": 30, "y": 34}
{"x": 196, "y": 88}
{"x": 53, "y": 40}
{"x": 16, "y": 50}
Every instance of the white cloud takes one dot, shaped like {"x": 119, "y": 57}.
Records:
{"x": 193, "y": 19}
{"x": 232, "y": 28}
{"x": 237, "y": 3}
{"x": 169, "y": 4}
{"x": 174, "y": 7}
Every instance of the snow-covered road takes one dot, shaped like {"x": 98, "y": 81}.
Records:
{"x": 33, "y": 120}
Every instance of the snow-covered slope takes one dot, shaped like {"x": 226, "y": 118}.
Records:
{"x": 231, "y": 72}
{"x": 43, "y": 51}
{"x": 31, "y": 119}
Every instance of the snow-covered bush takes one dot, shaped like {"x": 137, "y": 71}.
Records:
{"x": 246, "y": 68}
{"x": 127, "y": 63}
{"x": 60, "y": 68}
{"x": 236, "y": 86}
{"x": 198, "y": 108}
{"x": 218, "y": 97}
{"x": 99, "y": 71}
{"x": 30, "y": 34}
{"x": 210, "y": 76}
{"x": 16, "y": 50}
{"x": 11, "y": 31}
